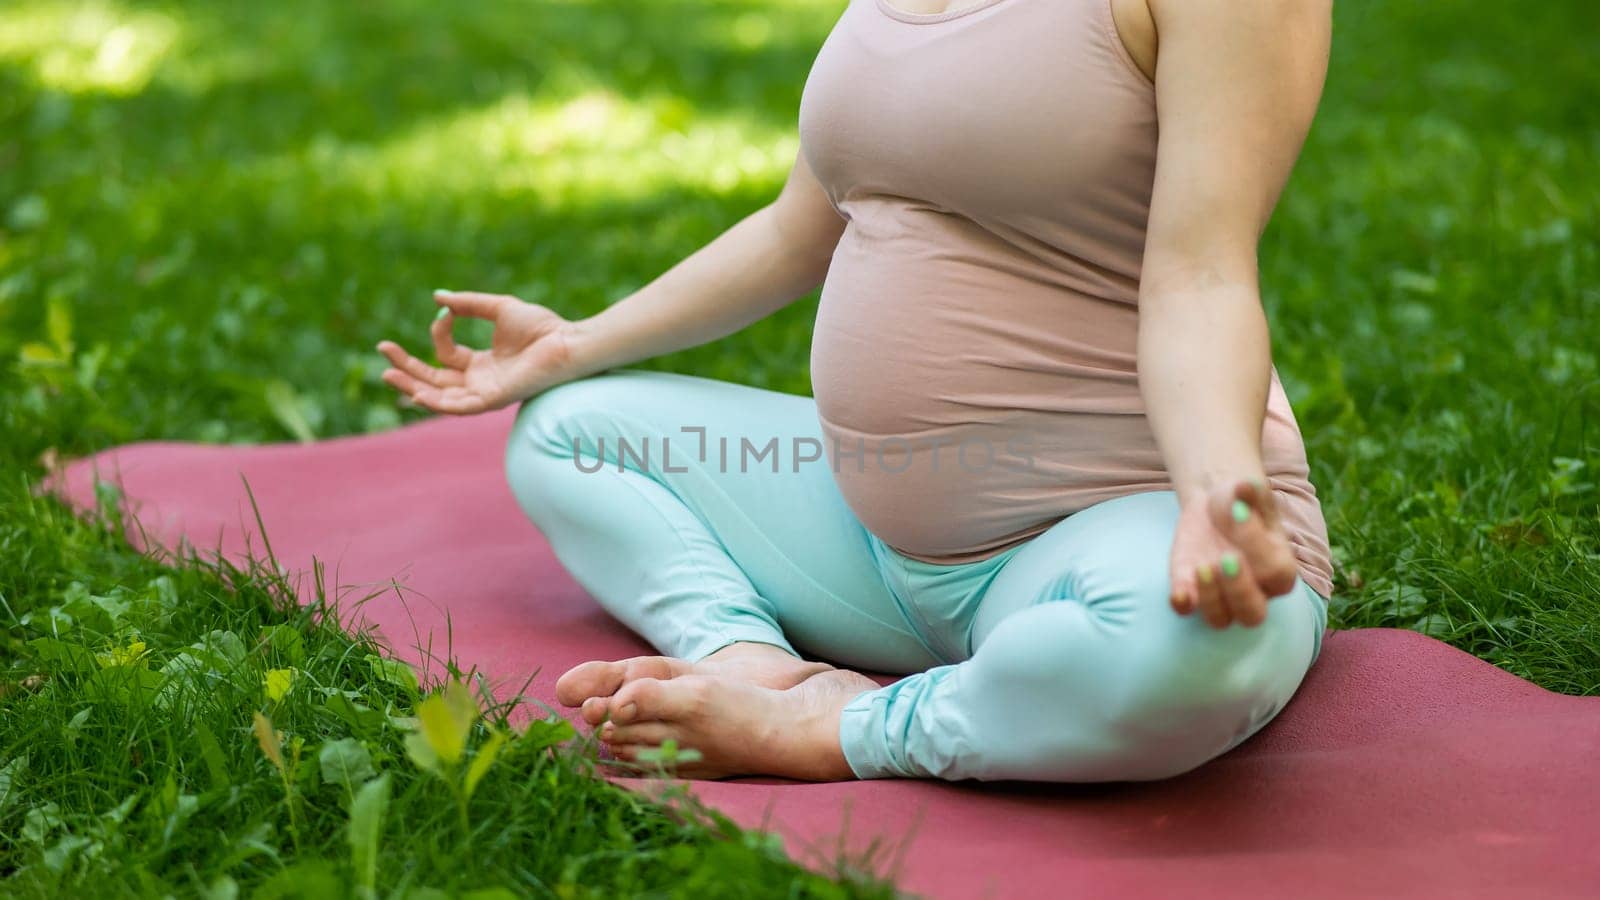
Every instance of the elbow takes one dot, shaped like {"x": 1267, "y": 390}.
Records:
{"x": 804, "y": 242}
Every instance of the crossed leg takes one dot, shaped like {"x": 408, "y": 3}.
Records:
{"x": 1077, "y": 668}
{"x": 704, "y": 516}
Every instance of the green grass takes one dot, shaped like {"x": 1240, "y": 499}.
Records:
{"x": 209, "y": 212}
{"x": 145, "y": 777}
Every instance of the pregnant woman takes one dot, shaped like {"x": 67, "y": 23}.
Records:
{"x": 1049, "y": 474}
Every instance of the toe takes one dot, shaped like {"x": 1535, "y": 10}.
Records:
{"x": 658, "y": 667}
{"x": 594, "y": 710}
{"x": 651, "y": 699}
{"x": 651, "y": 734}
{"x": 602, "y": 678}
{"x": 625, "y": 752}
{"x": 598, "y": 678}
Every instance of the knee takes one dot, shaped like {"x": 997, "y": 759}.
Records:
{"x": 1152, "y": 698}
{"x": 1194, "y": 692}
{"x": 545, "y": 419}
{"x": 540, "y": 447}
{"x": 547, "y": 423}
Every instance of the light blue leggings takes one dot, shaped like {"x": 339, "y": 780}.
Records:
{"x": 1056, "y": 660}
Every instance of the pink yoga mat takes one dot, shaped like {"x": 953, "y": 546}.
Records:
{"x": 1403, "y": 767}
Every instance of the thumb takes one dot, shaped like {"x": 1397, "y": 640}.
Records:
{"x": 1247, "y": 515}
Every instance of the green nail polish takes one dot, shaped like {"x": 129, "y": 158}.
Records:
{"x": 1230, "y": 565}
{"x": 443, "y": 311}
{"x": 1241, "y": 511}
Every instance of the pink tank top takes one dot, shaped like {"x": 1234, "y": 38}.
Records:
{"x": 974, "y": 355}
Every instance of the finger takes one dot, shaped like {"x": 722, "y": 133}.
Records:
{"x": 455, "y": 401}
{"x": 470, "y": 303}
{"x": 1237, "y": 511}
{"x": 1246, "y": 604}
{"x": 445, "y": 347}
{"x": 1183, "y": 596}
{"x": 1247, "y": 514}
{"x": 405, "y": 383}
{"x": 416, "y": 368}
{"x": 1208, "y": 597}
{"x": 1258, "y": 493}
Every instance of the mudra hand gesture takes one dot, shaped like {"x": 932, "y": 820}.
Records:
{"x": 527, "y": 354}
{"x": 1230, "y": 554}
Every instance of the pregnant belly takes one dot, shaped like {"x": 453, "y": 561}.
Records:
{"x": 965, "y": 408}
{"x": 966, "y": 491}
{"x": 914, "y": 336}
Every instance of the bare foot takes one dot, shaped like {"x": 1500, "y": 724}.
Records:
{"x": 589, "y": 684}
{"x": 739, "y": 728}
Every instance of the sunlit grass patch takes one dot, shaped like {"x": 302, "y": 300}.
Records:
{"x": 87, "y": 47}
{"x": 555, "y": 153}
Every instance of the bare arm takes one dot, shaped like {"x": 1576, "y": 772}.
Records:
{"x": 1237, "y": 83}
{"x": 770, "y": 258}
{"x": 766, "y": 261}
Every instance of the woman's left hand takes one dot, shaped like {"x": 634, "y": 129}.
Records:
{"x": 1230, "y": 555}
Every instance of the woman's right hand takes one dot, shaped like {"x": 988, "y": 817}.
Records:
{"x": 528, "y": 353}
